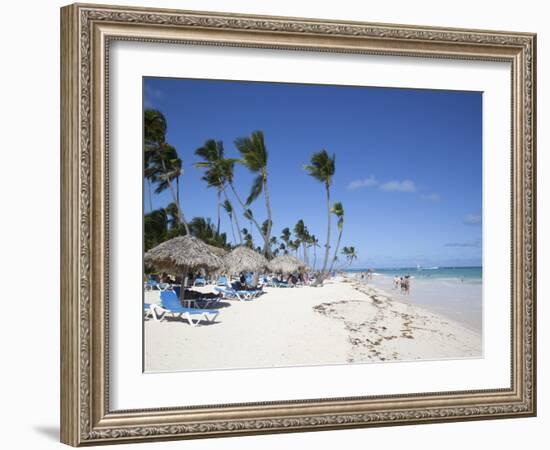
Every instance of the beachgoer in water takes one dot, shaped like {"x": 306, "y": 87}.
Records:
{"x": 403, "y": 282}
{"x": 406, "y": 285}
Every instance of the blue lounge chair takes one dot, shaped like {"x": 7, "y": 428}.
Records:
{"x": 280, "y": 284}
{"x": 230, "y": 293}
{"x": 171, "y": 305}
{"x": 200, "y": 281}
{"x": 205, "y": 301}
{"x": 246, "y": 292}
{"x": 222, "y": 281}
{"x": 148, "y": 310}
{"x": 152, "y": 284}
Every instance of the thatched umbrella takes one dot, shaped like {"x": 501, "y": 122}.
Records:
{"x": 286, "y": 264}
{"x": 244, "y": 259}
{"x": 218, "y": 251}
{"x": 182, "y": 254}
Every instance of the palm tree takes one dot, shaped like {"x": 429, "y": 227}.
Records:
{"x": 212, "y": 153}
{"x": 166, "y": 167}
{"x": 227, "y": 168}
{"x": 147, "y": 174}
{"x": 154, "y": 127}
{"x": 274, "y": 243}
{"x": 315, "y": 244}
{"x": 162, "y": 163}
{"x": 300, "y": 230}
{"x": 322, "y": 168}
{"x": 294, "y": 245}
{"x": 338, "y": 210}
{"x": 173, "y": 219}
{"x": 228, "y": 207}
{"x": 306, "y": 239}
{"x": 285, "y": 237}
{"x": 248, "y": 240}
{"x": 154, "y": 228}
{"x": 350, "y": 253}
{"x": 254, "y": 156}
{"x": 204, "y": 229}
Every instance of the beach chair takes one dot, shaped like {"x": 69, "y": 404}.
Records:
{"x": 149, "y": 311}
{"x": 205, "y": 301}
{"x": 222, "y": 281}
{"x": 231, "y": 294}
{"x": 236, "y": 286}
{"x": 200, "y": 281}
{"x": 151, "y": 285}
{"x": 280, "y": 284}
{"x": 170, "y": 304}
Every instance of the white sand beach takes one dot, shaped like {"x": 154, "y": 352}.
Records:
{"x": 342, "y": 322}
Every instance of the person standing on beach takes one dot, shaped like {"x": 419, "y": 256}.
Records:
{"x": 407, "y": 284}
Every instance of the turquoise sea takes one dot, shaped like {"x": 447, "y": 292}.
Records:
{"x": 460, "y": 274}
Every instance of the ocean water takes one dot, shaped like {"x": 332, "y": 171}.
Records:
{"x": 456, "y": 293}
{"x": 457, "y": 274}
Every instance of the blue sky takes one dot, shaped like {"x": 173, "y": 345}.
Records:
{"x": 408, "y": 161}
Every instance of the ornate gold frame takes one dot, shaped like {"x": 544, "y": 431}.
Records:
{"x": 86, "y": 31}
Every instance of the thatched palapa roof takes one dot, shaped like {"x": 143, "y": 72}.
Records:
{"x": 182, "y": 253}
{"x": 243, "y": 259}
{"x": 218, "y": 251}
{"x": 286, "y": 264}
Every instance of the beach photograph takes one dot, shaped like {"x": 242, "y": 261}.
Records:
{"x": 289, "y": 224}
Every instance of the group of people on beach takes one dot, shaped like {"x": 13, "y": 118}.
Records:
{"x": 403, "y": 283}
{"x": 366, "y": 276}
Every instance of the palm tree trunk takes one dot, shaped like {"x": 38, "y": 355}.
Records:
{"x": 175, "y": 198}
{"x": 149, "y": 195}
{"x": 336, "y": 251}
{"x": 314, "y": 255}
{"x": 184, "y": 274}
{"x": 234, "y": 216}
{"x": 232, "y": 228}
{"x": 252, "y": 219}
{"x": 180, "y": 212}
{"x": 267, "y": 246}
{"x": 218, "y": 227}
{"x": 327, "y": 246}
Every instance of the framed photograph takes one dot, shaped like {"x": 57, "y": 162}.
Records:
{"x": 276, "y": 224}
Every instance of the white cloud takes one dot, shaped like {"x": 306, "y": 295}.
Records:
{"x": 398, "y": 186}
{"x": 433, "y": 197}
{"x": 367, "y": 182}
{"x": 472, "y": 219}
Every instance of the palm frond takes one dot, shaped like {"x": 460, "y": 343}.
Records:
{"x": 256, "y": 189}
{"x": 253, "y": 151}
{"x": 322, "y": 167}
